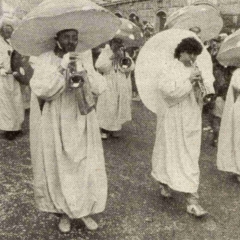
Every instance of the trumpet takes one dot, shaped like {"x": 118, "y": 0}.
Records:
{"x": 206, "y": 97}
{"x": 125, "y": 62}
{"x": 74, "y": 78}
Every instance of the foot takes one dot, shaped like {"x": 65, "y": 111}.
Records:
{"x": 10, "y": 135}
{"x": 115, "y": 134}
{"x": 64, "y": 224}
{"x": 208, "y": 128}
{"x": 104, "y": 136}
{"x": 90, "y": 223}
{"x": 165, "y": 191}
{"x": 136, "y": 98}
{"x": 238, "y": 178}
{"x": 196, "y": 210}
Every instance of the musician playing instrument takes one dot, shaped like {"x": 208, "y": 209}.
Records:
{"x": 114, "y": 105}
{"x": 66, "y": 148}
{"x": 178, "y": 137}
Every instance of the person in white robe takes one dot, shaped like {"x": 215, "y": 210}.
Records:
{"x": 114, "y": 105}
{"x": 228, "y": 155}
{"x": 66, "y": 148}
{"x": 179, "y": 125}
{"x": 11, "y": 102}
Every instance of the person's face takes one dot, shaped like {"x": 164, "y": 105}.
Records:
{"x": 68, "y": 40}
{"x": 7, "y": 31}
{"x": 187, "y": 58}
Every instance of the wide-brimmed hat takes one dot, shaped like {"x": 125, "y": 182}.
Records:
{"x": 229, "y": 52}
{"x": 36, "y": 32}
{"x": 130, "y": 33}
{"x": 205, "y": 16}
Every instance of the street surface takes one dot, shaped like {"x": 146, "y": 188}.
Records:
{"x": 135, "y": 209}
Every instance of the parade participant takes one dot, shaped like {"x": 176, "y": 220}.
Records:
{"x": 228, "y": 156}
{"x": 178, "y": 140}
{"x": 65, "y": 141}
{"x": 66, "y": 150}
{"x": 114, "y": 105}
{"x": 171, "y": 89}
{"x": 11, "y": 102}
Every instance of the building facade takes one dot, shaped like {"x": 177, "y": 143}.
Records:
{"x": 156, "y": 11}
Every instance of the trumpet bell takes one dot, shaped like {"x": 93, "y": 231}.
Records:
{"x": 209, "y": 98}
{"x": 76, "y": 80}
{"x": 125, "y": 63}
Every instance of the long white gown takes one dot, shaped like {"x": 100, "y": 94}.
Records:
{"x": 228, "y": 156}
{"x": 178, "y": 136}
{"x": 11, "y": 102}
{"x": 66, "y": 149}
{"x": 114, "y": 105}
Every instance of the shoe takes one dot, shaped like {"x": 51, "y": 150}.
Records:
{"x": 238, "y": 178}
{"x": 115, "y": 134}
{"x": 104, "y": 136}
{"x": 10, "y": 135}
{"x": 165, "y": 191}
{"x": 90, "y": 223}
{"x": 64, "y": 224}
{"x": 136, "y": 98}
{"x": 196, "y": 210}
{"x": 208, "y": 128}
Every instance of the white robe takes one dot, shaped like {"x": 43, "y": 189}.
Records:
{"x": 66, "y": 149}
{"x": 178, "y": 137}
{"x": 228, "y": 156}
{"x": 114, "y": 105}
{"x": 11, "y": 102}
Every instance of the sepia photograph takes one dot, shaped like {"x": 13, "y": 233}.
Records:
{"x": 119, "y": 120}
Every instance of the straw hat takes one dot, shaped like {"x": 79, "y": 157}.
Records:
{"x": 35, "y": 34}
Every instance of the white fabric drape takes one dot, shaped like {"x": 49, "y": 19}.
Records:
{"x": 11, "y": 102}
{"x": 178, "y": 136}
{"x": 66, "y": 148}
{"x": 114, "y": 105}
{"x": 228, "y": 156}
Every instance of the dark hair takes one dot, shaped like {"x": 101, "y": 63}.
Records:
{"x": 189, "y": 45}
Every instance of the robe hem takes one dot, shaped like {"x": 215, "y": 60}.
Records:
{"x": 172, "y": 187}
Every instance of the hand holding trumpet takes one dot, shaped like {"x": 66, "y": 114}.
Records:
{"x": 195, "y": 76}
{"x": 68, "y": 58}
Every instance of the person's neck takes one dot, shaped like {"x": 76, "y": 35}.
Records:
{"x": 59, "y": 52}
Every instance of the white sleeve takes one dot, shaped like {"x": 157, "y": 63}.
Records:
{"x": 47, "y": 82}
{"x": 175, "y": 86}
{"x": 97, "y": 81}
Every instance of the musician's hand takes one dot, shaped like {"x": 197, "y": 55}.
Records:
{"x": 16, "y": 74}
{"x": 195, "y": 76}
{"x": 69, "y": 58}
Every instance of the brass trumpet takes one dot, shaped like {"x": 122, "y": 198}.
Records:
{"x": 125, "y": 62}
{"x": 75, "y": 78}
{"x": 206, "y": 97}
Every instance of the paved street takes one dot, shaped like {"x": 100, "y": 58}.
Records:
{"x": 135, "y": 210}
